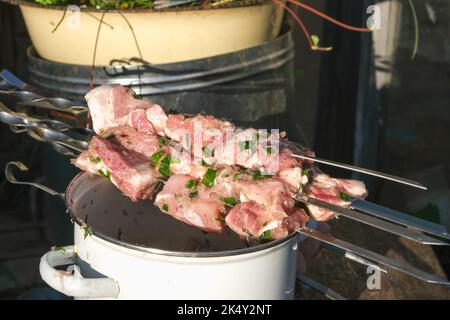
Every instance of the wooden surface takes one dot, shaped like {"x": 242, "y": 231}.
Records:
{"x": 349, "y": 278}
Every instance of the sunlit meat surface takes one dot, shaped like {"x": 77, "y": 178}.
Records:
{"x": 200, "y": 129}
{"x": 129, "y": 171}
{"x": 131, "y": 139}
{"x": 250, "y": 219}
{"x": 191, "y": 202}
{"x": 113, "y": 106}
{"x": 334, "y": 191}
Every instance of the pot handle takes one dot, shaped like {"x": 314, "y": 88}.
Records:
{"x": 73, "y": 285}
{"x": 10, "y": 177}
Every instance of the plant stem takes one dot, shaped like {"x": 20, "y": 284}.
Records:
{"x": 299, "y": 21}
{"x": 326, "y": 17}
{"x": 416, "y": 29}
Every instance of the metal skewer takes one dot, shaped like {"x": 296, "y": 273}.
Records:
{"x": 374, "y": 222}
{"x": 327, "y": 292}
{"x": 400, "y": 218}
{"x": 370, "y": 255}
{"x": 365, "y": 171}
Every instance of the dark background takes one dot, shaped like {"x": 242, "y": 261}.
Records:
{"x": 366, "y": 102}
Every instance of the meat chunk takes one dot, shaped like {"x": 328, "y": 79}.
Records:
{"x": 113, "y": 106}
{"x": 297, "y": 219}
{"x": 333, "y": 191}
{"x": 200, "y": 129}
{"x": 353, "y": 188}
{"x": 250, "y": 219}
{"x": 129, "y": 171}
{"x": 186, "y": 200}
{"x": 134, "y": 140}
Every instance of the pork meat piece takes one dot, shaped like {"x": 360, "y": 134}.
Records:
{"x": 331, "y": 190}
{"x": 131, "y": 139}
{"x": 200, "y": 129}
{"x": 113, "y": 106}
{"x": 193, "y": 203}
{"x": 250, "y": 219}
{"x": 129, "y": 171}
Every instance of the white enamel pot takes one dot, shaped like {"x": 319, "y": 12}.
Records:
{"x": 133, "y": 251}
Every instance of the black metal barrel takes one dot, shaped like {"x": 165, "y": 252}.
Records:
{"x": 251, "y": 86}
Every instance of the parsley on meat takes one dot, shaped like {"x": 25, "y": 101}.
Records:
{"x": 209, "y": 177}
{"x": 156, "y": 157}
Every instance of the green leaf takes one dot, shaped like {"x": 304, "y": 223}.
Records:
{"x": 94, "y": 160}
{"x": 209, "y": 177}
{"x": 191, "y": 184}
{"x": 247, "y": 145}
{"x": 87, "y": 231}
{"x": 265, "y": 236}
{"x": 344, "y": 196}
{"x": 305, "y": 171}
{"x": 156, "y": 157}
{"x": 230, "y": 201}
{"x": 269, "y": 150}
{"x": 165, "y": 207}
{"x": 193, "y": 194}
{"x": 315, "y": 40}
{"x": 110, "y": 137}
{"x": 257, "y": 175}
{"x": 164, "y": 167}
{"x": 106, "y": 174}
{"x": 162, "y": 141}
{"x": 59, "y": 249}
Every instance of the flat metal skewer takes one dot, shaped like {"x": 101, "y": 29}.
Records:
{"x": 400, "y": 218}
{"x": 374, "y": 222}
{"x": 370, "y": 255}
{"x": 327, "y": 292}
{"x": 364, "y": 170}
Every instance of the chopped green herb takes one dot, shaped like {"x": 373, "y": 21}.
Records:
{"x": 269, "y": 150}
{"x": 94, "y": 159}
{"x": 191, "y": 184}
{"x": 165, "y": 207}
{"x": 244, "y": 145}
{"x": 220, "y": 218}
{"x": 59, "y": 249}
{"x": 257, "y": 175}
{"x": 230, "y": 201}
{"x": 193, "y": 194}
{"x": 106, "y": 174}
{"x": 305, "y": 171}
{"x": 265, "y": 236}
{"x": 344, "y": 196}
{"x": 164, "y": 167}
{"x": 87, "y": 231}
{"x": 238, "y": 175}
{"x": 156, "y": 157}
{"x": 208, "y": 152}
{"x": 162, "y": 141}
{"x": 209, "y": 177}
{"x": 204, "y": 163}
